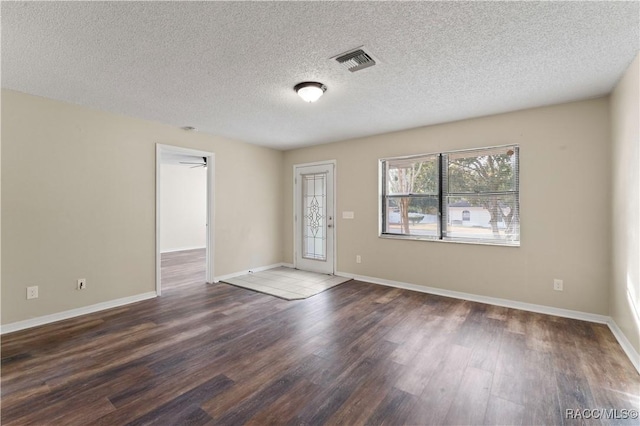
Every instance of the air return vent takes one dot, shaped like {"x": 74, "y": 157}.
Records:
{"x": 355, "y": 60}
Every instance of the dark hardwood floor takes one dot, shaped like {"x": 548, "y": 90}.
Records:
{"x": 356, "y": 354}
{"x": 182, "y": 268}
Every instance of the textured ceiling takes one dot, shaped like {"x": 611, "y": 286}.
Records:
{"x": 228, "y": 68}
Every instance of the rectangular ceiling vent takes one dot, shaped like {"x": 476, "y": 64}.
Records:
{"x": 356, "y": 60}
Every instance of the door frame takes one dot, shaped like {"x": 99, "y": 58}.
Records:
{"x": 210, "y": 235}
{"x": 334, "y": 163}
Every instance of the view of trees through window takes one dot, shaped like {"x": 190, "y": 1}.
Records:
{"x": 413, "y": 185}
{"x": 465, "y": 195}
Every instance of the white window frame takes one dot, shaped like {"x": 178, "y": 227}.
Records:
{"x": 441, "y": 234}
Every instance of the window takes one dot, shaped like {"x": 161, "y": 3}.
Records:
{"x": 469, "y": 196}
{"x": 411, "y": 196}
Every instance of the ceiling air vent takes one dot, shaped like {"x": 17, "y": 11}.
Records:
{"x": 356, "y": 60}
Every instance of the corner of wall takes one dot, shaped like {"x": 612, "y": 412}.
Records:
{"x": 624, "y": 288}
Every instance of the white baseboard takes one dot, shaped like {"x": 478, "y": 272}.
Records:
{"x": 566, "y": 313}
{"x": 634, "y": 357}
{"x": 47, "y": 319}
{"x": 173, "y": 250}
{"x": 247, "y": 271}
{"x": 627, "y": 347}
{"x": 288, "y": 265}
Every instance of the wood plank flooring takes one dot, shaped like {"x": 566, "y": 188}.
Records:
{"x": 356, "y": 354}
{"x": 182, "y": 268}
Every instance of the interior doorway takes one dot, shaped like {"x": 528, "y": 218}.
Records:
{"x": 184, "y": 217}
{"x": 314, "y": 217}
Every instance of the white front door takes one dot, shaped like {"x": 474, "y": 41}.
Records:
{"x": 314, "y": 218}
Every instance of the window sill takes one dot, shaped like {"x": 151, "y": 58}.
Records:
{"x": 436, "y": 240}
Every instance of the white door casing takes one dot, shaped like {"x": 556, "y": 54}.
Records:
{"x": 210, "y": 236}
{"x": 314, "y": 217}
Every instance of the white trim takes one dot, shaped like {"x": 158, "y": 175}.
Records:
{"x": 211, "y": 216}
{"x": 47, "y": 319}
{"x": 248, "y": 271}
{"x": 210, "y": 237}
{"x": 315, "y": 163}
{"x": 627, "y": 347}
{"x": 158, "y": 249}
{"x": 549, "y": 310}
{"x": 288, "y": 265}
{"x": 173, "y": 250}
{"x": 434, "y": 239}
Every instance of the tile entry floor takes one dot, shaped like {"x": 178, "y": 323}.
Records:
{"x": 287, "y": 283}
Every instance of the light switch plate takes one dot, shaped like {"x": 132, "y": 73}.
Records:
{"x": 348, "y": 215}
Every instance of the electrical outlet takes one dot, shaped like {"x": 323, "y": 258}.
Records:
{"x": 358, "y": 259}
{"x": 32, "y": 292}
{"x": 557, "y": 284}
{"x": 82, "y": 284}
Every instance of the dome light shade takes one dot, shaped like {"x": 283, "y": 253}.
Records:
{"x": 310, "y": 91}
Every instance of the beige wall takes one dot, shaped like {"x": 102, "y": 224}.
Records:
{"x": 625, "y": 129}
{"x": 78, "y": 189}
{"x": 78, "y": 193}
{"x": 183, "y": 207}
{"x": 565, "y": 182}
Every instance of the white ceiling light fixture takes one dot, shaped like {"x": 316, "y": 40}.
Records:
{"x": 310, "y": 91}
